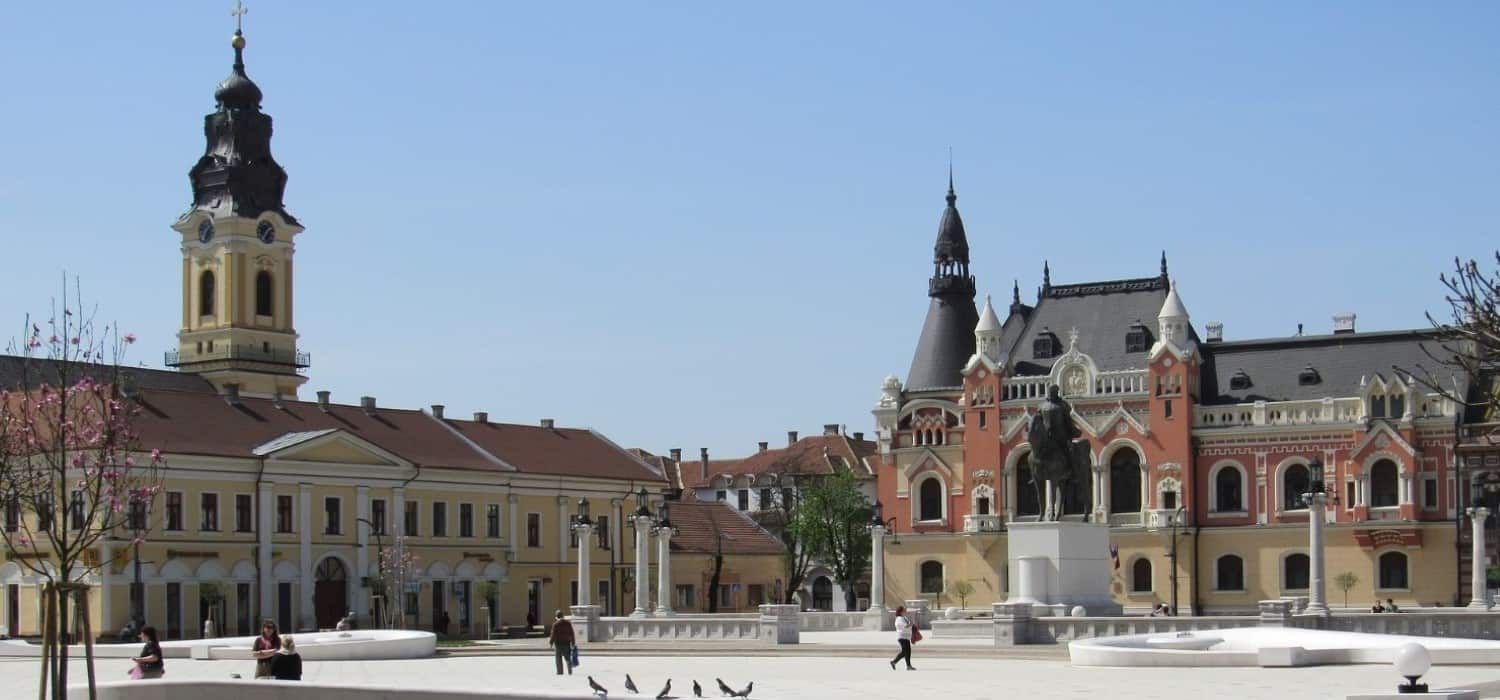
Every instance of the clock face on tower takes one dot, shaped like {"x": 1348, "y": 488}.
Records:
{"x": 266, "y": 232}
{"x": 205, "y": 231}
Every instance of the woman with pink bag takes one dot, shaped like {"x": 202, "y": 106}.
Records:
{"x": 149, "y": 663}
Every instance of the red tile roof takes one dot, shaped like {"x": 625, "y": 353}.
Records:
{"x": 560, "y": 451}
{"x": 817, "y": 454}
{"x": 699, "y": 526}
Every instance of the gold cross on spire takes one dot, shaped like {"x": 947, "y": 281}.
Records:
{"x": 238, "y": 11}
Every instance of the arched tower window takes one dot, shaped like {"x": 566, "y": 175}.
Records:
{"x": 1125, "y": 481}
{"x": 206, "y": 293}
{"x": 263, "y": 293}
{"x": 1383, "y": 489}
{"x": 1295, "y": 572}
{"x": 931, "y": 500}
{"x": 1229, "y": 490}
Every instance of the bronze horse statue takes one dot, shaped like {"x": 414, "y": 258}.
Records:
{"x": 1058, "y": 457}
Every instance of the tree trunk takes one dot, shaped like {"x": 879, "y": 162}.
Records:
{"x": 713, "y": 584}
{"x": 60, "y": 690}
{"x": 88, "y": 642}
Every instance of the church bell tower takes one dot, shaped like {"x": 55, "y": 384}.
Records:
{"x": 237, "y": 245}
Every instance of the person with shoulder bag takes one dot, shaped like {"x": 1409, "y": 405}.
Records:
{"x": 562, "y": 641}
{"x": 906, "y": 633}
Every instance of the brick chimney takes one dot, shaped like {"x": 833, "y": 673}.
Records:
{"x": 1343, "y": 323}
{"x": 437, "y": 411}
{"x": 676, "y": 453}
{"x": 232, "y": 393}
{"x": 830, "y": 428}
{"x": 763, "y": 445}
{"x": 367, "y": 404}
{"x": 703, "y": 463}
{"x": 324, "y": 398}
{"x": 547, "y": 423}
{"x": 859, "y": 437}
{"x": 791, "y": 438}
{"x": 482, "y": 417}
{"x": 1215, "y": 331}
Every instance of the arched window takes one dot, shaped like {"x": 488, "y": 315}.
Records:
{"x": 930, "y": 496}
{"x": 1294, "y": 572}
{"x": 206, "y": 293}
{"x": 932, "y": 577}
{"x": 1294, "y": 483}
{"x": 1027, "y": 502}
{"x": 1229, "y": 490}
{"x": 982, "y": 503}
{"x": 1140, "y": 576}
{"x": 1393, "y": 574}
{"x": 1383, "y": 490}
{"x": 1125, "y": 481}
{"x": 1231, "y": 573}
{"x": 263, "y": 293}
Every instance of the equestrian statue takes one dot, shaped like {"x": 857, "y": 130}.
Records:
{"x": 1059, "y": 460}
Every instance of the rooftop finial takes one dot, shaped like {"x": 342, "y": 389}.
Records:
{"x": 1046, "y": 275}
{"x": 238, "y": 42}
{"x": 1164, "y": 263}
{"x": 1015, "y": 293}
{"x": 952, "y": 197}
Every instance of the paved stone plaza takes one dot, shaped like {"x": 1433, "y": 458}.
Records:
{"x": 807, "y": 676}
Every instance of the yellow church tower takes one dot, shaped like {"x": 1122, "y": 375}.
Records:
{"x": 237, "y": 245}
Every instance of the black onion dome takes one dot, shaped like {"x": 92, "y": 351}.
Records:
{"x": 238, "y": 91}
{"x": 952, "y": 245}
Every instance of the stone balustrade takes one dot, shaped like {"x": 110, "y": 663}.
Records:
{"x": 983, "y": 523}
{"x": 1323, "y": 411}
{"x": 1124, "y": 381}
{"x": 775, "y": 624}
{"x": 832, "y": 621}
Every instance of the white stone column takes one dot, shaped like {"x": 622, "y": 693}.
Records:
{"x": 1478, "y": 581}
{"x": 1317, "y": 601}
{"x": 877, "y": 569}
{"x": 642, "y": 566}
{"x": 267, "y": 505}
{"x": 361, "y": 598}
{"x": 664, "y": 572}
{"x": 1010, "y": 495}
{"x": 511, "y": 538}
{"x": 585, "y": 585}
{"x": 1406, "y": 490}
{"x": 106, "y": 555}
{"x": 305, "y": 616}
{"x": 1364, "y": 490}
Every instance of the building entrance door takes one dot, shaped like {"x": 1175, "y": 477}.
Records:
{"x": 330, "y": 592}
{"x": 533, "y": 602}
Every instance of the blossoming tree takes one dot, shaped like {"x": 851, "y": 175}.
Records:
{"x": 72, "y": 469}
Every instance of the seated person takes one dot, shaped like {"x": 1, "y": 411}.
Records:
{"x": 287, "y": 664}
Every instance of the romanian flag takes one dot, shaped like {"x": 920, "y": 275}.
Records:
{"x": 1114, "y": 554}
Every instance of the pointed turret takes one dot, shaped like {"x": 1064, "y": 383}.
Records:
{"x": 987, "y": 333}
{"x": 947, "y": 339}
{"x": 1172, "y": 321}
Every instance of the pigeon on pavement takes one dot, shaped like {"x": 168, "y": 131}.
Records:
{"x": 697, "y": 690}
{"x": 724, "y": 688}
{"x": 746, "y": 692}
{"x": 665, "y": 690}
{"x": 598, "y": 689}
{"x": 630, "y": 684}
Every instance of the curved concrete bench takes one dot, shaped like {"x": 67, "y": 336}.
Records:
{"x": 1275, "y": 646}
{"x": 288, "y": 690}
{"x": 313, "y": 646}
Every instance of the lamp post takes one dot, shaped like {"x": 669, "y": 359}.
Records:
{"x": 1172, "y": 535}
{"x": 379, "y": 555}
{"x": 137, "y": 589}
{"x": 1316, "y": 500}
{"x": 583, "y": 526}
{"x": 878, "y": 523}
{"x": 664, "y": 531}
{"x": 640, "y": 521}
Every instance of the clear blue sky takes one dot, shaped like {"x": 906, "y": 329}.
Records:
{"x": 703, "y": 224}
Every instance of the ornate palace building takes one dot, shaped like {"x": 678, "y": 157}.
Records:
{"x": 1201, "y": 446}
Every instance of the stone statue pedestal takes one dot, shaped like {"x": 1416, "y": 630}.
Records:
{"x": 1058, "y": 565}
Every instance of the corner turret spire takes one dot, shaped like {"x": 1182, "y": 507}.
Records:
{"x": 1164, "y": 264}
{"x": 947, "y": 339}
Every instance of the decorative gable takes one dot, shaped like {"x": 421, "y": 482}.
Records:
{"x": 329, "y": 446}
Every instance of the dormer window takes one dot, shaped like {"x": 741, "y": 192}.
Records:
{"x": 1239, "y": 381}
{"x": 1045, "y": 346}
{"x": 1137, "y": 339}
{"x": 1308, "y": 376}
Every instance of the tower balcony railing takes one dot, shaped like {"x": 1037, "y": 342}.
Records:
{"x": 299, "y": 359}
{"x": 1112, "y": 383}
{"x": 1326, "y": 411}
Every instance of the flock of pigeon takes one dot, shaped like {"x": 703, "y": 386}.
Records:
{"x": 603, "y": 692}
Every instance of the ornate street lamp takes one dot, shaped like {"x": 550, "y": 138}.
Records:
{"x": 1315, "y": 471}
{"x": 663, "y": 522}
{"x": 1173, "y": 535}
{"x": 643, "y": 503}
{"x": 582, "y": 519}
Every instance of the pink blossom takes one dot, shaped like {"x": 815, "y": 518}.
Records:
{"x": 129, "y": 338}
{"x": 155, "y": 454}
{"x": 74, "y": 340}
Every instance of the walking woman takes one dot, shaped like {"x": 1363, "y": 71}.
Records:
{"x": 903, "y": 637}
{"x": 149, "y": 663}
{"x": 265, "y": 648}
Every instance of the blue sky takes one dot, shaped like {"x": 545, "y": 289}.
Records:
{"x": 704, "y": 224}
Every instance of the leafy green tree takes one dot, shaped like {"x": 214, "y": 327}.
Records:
{"x": 832, "y": 521}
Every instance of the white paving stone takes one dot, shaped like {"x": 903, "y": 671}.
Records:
{"x": 812, "y": 676}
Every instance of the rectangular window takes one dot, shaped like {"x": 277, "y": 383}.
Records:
{"x": 573, "y": 592}
{"x": 786, "y": 497}
{"x": 685, "y": 598}
{"x": 1349, "y": 494}
{"x": 377, "y": 516}
{"x": 533, "y": 529}
{"x": 1429, "y": 493}
{"x": 136, "y": 520}
{"x": 1167, "y": 408}
{"x": 174, "y": 510}
{"x": 410, "y": 519}
{"x": 743, "y": 498}
{"x": 13, "y": 515}
{"x": 721, "y": 496}
{"x": 984, "y": 419}
{"x": 604, "y": 532}
{"x": 332, "y": 523}
{"x": 757, "y": 595}
{"x": 75, "y": 511}
{"x": 492, "y": 520}
{"x": 726, "y": 601}
{"x": 1377, "y": 406}
{"x": 466, "y": 520}
{"x": 767, "y": 500}
{"x": 1169, "y": 500}
{"x": 283, "y": 513}
{"x": 439, "y": 519}
{"x": 244, "y": 513}
{"x": 209, "y": 505}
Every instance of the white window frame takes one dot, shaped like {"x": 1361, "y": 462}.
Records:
{"x": 218, "y": 517}
{"x": 1281, "y": 470}
{"x": 1215, "y": 509}
{"x": 1422, "y": 486}
{"x": 433, "y": 524}
{"x": 416, "y": 505}
{"x": 1130, "y": 574}
{"x": 461, "y": 534}
{"x": 166, "y": 513}
{"x": 540, "y": 525}
{"x": 340, "y": 500}
{"x": 237, "y": 529}
{"x": 916, "y": 501}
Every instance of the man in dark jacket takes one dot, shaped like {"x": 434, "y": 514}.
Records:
{"x": 561, "y": 639}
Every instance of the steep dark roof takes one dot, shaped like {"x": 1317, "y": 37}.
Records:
{"x": 946, "y": 343}
{"x": 14, "y": 370}
{"x": 1340, "y": 360}
{"x": 1103, "y": 313}
{"x": 952, "y": 243}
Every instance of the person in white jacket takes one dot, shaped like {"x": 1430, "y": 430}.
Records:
{"x": 903, "y": 637}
